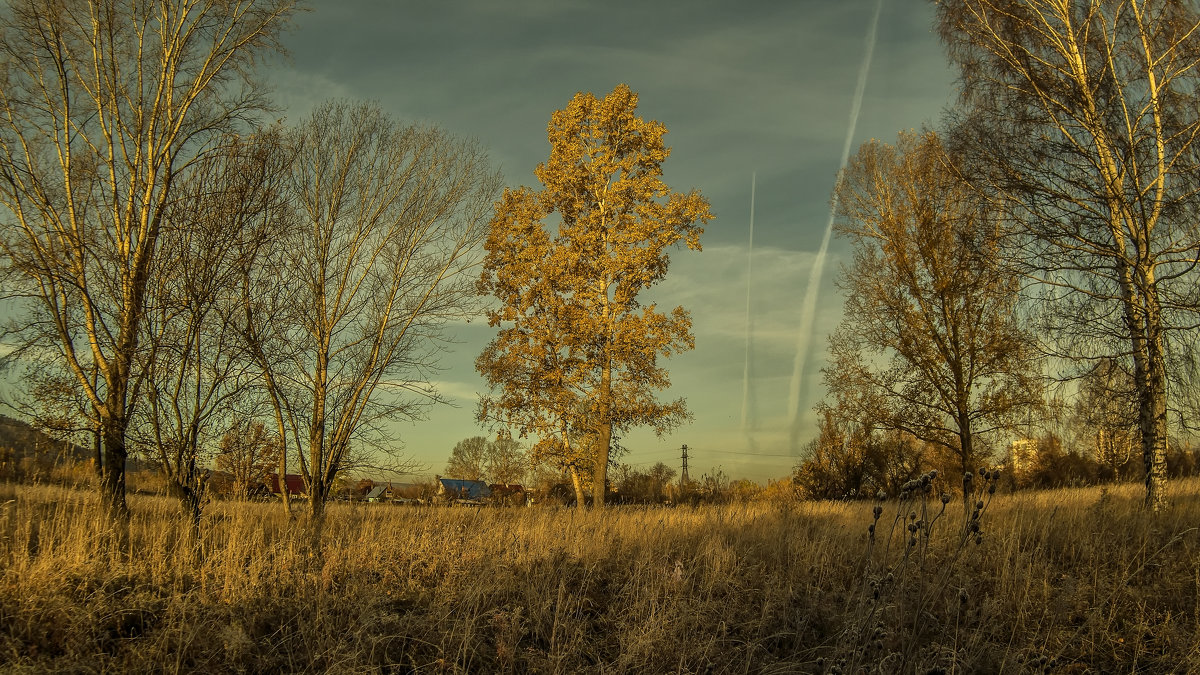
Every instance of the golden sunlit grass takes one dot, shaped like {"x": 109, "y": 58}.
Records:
{"x": 1063, "y": 581}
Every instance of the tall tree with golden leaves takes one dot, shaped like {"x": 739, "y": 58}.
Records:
{"x": 576, "y": 359}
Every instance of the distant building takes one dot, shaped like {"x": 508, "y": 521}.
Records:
{"x": 293, "y": 482}
{"x": 380, "y": 491}
{"x": 509, "y": 494}
{"x": 471, "y": 490}
{"x": 1022, "y": 454}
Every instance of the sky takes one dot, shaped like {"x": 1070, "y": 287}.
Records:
{"x": 753, "y": 92}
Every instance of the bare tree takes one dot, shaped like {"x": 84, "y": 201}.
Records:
{"x": 1080, "y": 119}
{"x": 1106, "y": 406}
{"x": 197, "y": 371}
{"x": 468, "y": 459}
{"x": 249, "y": 454}
{"x": 506, "y": 461}
{"x": 346, "y": 317}
{"x": 930, "y": 343}
{"x": 102, "y": 106}
{"x": 497, "y": 461}
{"x": 50, "y": 396}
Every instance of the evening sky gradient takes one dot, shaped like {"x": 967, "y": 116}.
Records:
{"x": 744, "y": 88}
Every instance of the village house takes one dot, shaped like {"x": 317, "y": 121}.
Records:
{"x": 510, "y": 494}
{"x": 463, "y": 491}
{"x": 294, "y": 483}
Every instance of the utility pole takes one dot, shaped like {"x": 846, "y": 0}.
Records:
{"x": 683, "y": 478}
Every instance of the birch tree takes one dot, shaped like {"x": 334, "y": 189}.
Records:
{"x": 577, "y": 354}
{"x": 1081, "y": 116}
{"x": 249, "y": 454}
{"x": 102, "y": 106}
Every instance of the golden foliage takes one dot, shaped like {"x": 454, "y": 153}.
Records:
{"x": 576, "y": 359}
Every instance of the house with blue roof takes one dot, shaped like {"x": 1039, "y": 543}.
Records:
{"x": 455, "y": 488}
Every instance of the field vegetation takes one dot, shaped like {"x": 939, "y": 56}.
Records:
{"x": 1073, "y": 580}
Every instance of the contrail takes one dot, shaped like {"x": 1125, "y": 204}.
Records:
{"x": 747, "y": 423}
{"x": 808, "y": 308}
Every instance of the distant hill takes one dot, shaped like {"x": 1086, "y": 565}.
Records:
{"x": 25, "y": 449}
{"x": 25, "y": 439}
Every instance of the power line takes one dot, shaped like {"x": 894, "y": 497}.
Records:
{"x": 738, "y": 452}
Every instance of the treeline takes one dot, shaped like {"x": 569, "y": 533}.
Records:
{"x": 860, "y": 464}
{"x": 505, "y": 461}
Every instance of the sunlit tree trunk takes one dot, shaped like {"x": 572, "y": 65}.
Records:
{"x": 577, "y": 483}
{"x": 603, "y": 445}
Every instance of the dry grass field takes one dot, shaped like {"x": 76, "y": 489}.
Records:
{"x": 1068, "y": 581}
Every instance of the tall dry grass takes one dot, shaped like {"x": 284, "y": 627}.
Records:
{"x": 1062, "y": 581}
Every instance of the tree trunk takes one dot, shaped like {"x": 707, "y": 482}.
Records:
{"x": 966, "y": 451}
{"x": 1143, "y": 319}
{"x": 1152, "y": 414}
{"x": 112, "y": 475}
{"x": 315, "y": 472}
{"x": 190, "y": 493}
{"x": 580, "y": 497}
{"x": 316, "y": 498}
{"x": 283, "y": 489}
{"x": 603, "y": 437}
{"x": 318, "y": 486}
{"x": 98, "y": 451}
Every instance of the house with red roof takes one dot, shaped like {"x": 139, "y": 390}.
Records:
{"x": 293, "y": 481}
